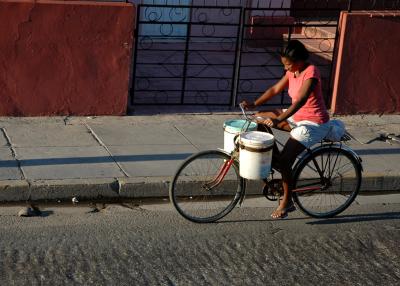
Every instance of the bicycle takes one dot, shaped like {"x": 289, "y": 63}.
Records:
{"x": 327, "y": 178}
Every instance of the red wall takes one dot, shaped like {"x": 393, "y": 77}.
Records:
{"x": 65, "y": 58}
{"x": 367, "y": 69}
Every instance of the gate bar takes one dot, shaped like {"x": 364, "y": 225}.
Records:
{"x": 136, "y": 37}
{"x": 185, "y": 61}
{"x": 236, "y": 69}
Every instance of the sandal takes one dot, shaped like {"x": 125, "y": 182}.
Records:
{"x": 283, "y": 212}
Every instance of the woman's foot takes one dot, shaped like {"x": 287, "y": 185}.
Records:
{"x": 279, "y": 213}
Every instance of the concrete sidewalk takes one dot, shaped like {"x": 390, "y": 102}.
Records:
{"x": 56, "y": 158}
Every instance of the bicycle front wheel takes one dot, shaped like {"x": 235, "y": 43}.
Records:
{"x": 327, "y": 182}
{"x": 206, "y": 187}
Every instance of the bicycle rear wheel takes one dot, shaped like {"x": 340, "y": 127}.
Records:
{"x": 330, "y": 194}
{"x": 206, "y": 187}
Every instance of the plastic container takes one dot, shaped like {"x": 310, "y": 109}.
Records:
{"x": 233, "y": 128}
{"x": 255, "y": 155}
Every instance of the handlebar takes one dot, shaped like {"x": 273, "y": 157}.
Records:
{"x": 251, "y": 117}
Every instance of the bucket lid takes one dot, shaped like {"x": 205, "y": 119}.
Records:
{"x": 236, "y": 125}
{"x": 257, "y": 139}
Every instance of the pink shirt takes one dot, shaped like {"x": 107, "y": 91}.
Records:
{"x": 314, "y": 109}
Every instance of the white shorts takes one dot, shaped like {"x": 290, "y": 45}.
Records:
{"x": 307, "y": 132}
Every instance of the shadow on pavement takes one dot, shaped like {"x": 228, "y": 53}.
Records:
{"x": 387, "y": 151}
{"x": 46, "y": 213}
{"x": 95, "y": 160}
{"x": 262, "y": 220}
{"x": 358, "y": 218}
{"x": 335, "y": 220}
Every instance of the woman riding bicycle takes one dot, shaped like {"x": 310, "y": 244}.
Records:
{"x": 306, "y": 119}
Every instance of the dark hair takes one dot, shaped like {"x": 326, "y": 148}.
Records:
{"x": 295, "y": 51}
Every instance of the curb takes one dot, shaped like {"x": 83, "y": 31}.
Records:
{"x": 89, "y": 189}
{"x": 378, "y": 182}
{"x": 132, "y": 188}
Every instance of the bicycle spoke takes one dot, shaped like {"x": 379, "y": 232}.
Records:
{"x": 333, "y": 168}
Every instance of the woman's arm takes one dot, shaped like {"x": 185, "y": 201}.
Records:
{"x": 272, "y": 91}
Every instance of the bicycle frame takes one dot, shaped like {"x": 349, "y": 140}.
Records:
{"x": 221, "y": 174}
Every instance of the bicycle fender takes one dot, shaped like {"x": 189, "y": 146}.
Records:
{"x": 224, "y": 151}
{"x": 352, "y": 152}
{"x": 243, "y": 194}
{"x": 334, "y": 145}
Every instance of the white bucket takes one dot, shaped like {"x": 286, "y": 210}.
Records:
{"x": 233, "y": 128}
{"x": 255, "y": 155}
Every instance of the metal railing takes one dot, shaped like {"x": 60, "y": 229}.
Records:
{"x": 185, "y": 54}
{"x": 219, "y": 55}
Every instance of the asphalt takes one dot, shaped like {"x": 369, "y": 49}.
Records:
{"x": 57, "y": 158}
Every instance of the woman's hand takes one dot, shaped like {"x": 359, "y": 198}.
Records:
{"x": 246, "y": 105}
{"x": 271, "y": 122}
